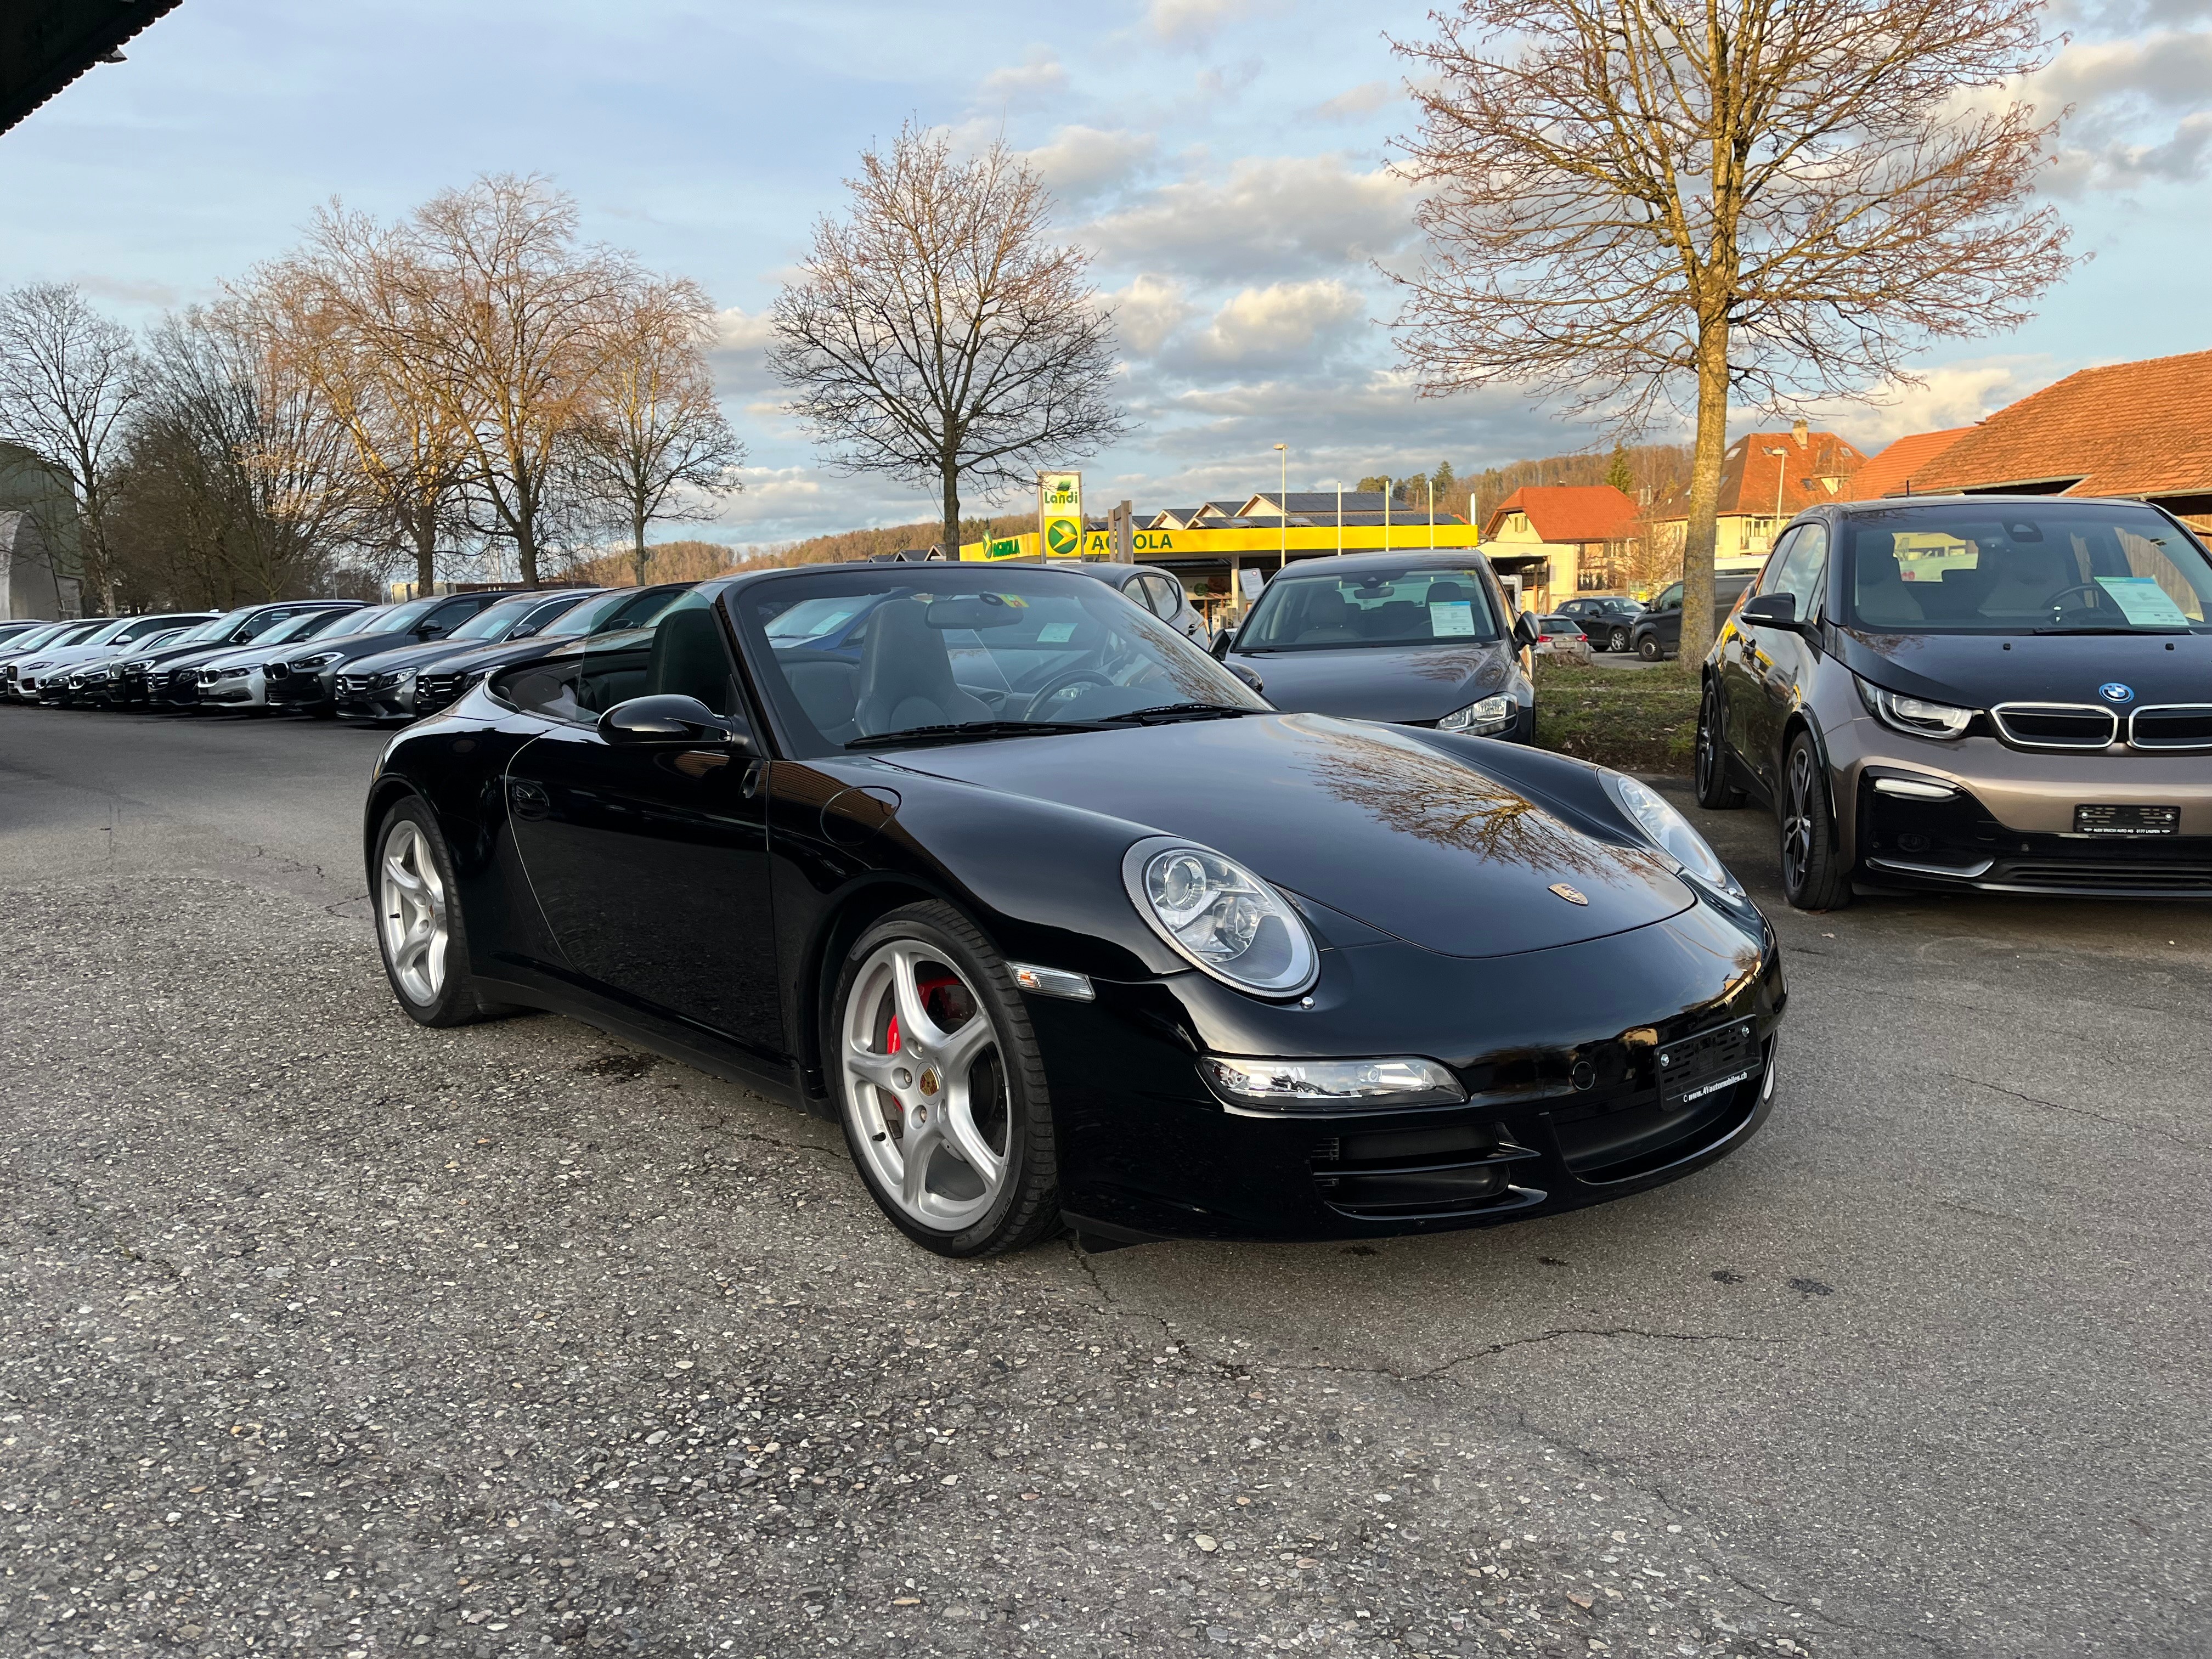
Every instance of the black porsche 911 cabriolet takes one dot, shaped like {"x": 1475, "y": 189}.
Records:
{"x": 1069, "y": 927}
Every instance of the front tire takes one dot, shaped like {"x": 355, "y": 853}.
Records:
{"x": 420, "y": 933}
{"x": 1649, "y": 649}
{"x": 1715, "y": 791}
{"x": 940, "y": 1087}
{"x": 1812, "y": 875}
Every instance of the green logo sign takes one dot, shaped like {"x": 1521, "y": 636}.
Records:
{"x": 1063, "y": 537}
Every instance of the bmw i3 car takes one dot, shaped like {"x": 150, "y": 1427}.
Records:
{"x": 2006, "y": 694}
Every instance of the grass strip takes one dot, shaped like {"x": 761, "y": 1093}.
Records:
{"x": 1633, "y": 719}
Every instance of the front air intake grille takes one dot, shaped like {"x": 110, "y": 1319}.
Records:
{"x": 2192, "y": 880}
{"x": 2171, "y": 726}
{"x": 435, "y": 691}
{"x": 2055, "y": 725}
{"x": 353, "y": 685}
{"x": 1416, "y": 1172}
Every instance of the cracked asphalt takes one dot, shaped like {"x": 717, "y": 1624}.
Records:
{"x": 322, "y": 1333}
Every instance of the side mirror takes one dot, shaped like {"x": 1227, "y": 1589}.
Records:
{"x": 430, "y": 631}
{"x": 1527, "y": 630}
{"x": 1222, "y": 642}
{"x": 1249, "y": 677}
{"x": 1771, "y": 610}
{"x": 670, "y": 719}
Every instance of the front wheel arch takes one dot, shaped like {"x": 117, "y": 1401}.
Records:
{"x": 1797, "y": 722}
{"x": 860, "y": 909}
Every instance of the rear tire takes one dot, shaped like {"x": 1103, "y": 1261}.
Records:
{"x": 1812, "y": 874}
{"x": 420, "y": 931}
{"x": 1620, "y": 641}
{"x": 950, "y": 1126}
{"x": 1715, "y": 790}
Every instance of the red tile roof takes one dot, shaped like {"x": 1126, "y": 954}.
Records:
{"x": 1568, "y": 513}
{"x": 1903, "y": 462}
{"x": 1749, "y": 473}
{"x": 2126, "y": 430}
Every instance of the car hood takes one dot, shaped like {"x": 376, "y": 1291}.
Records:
{"x": 1978, "y": 670}
{"x": 1377, "y": 824}
{"x": 1422, "y": 683}
{"x": 413, "y": 654}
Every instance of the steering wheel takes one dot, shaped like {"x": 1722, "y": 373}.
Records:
{"x": 2095, "y": 593}
{"x": 1060, "y": 682}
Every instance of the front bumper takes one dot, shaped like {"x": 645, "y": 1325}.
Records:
{"x": 1558, "y": 1049}
{"x": 359, "y": 698}
{"x": 2009, "y": 824}
{"x": 246, "y": 690}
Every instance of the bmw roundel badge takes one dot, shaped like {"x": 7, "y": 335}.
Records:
{"x": 2113, "y": 691}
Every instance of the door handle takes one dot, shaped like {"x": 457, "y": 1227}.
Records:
{"x": 528, "y": 799}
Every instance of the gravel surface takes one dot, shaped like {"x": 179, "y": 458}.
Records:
{"x": 324, "y": 1332}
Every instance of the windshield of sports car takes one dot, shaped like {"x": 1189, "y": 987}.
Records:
{"x": 862, "y": 659}
{"x": 1420, "y": 605}
{"x": 2014, "y": 568}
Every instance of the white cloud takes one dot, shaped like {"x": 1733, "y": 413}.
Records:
{"x": 1273, "y": 216}
{"x": 1194, "y": 22}
{"x": 1951, "y": 394}
{"x": 1038, "y": 78}
{"x": 1148, "y": 312}
{"x": 2142, "y": 110}
{"x": 1284, "y": 320}
{"x": 738, "y": 355}
{"x": 1081, "y": 162}
{"x": 1361, "y": 101}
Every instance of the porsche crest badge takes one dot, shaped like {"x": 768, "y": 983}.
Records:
{"x": 1568, "y": 893}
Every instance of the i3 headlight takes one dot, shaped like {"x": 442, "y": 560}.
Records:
{"x": 1492, "y": 714}
{"x": 1916, "y": 715}
{"x": 1220, "y": 917}
{"x": 1672, "y": 834}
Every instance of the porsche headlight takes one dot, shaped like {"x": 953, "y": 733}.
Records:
{"x": 1916, "y": 715}
{"x": 1491, "y": 715}
{"x": 1220, "y": 917}
{"x": 1672, "y": 834}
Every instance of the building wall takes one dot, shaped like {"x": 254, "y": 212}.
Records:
{"x": 39, "y": 535}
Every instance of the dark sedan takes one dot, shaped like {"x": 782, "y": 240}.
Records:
{"x": 1066, "y": 925}
{"x": 307, "y": 683}
{"x": 440, "y": 682}
{"x": 1608, "y": 620}
{"x": 1412, "y": 639}
{"x": 382, "y": 687}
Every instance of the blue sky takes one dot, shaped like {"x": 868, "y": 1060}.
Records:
{"x": 1224, "y": 159}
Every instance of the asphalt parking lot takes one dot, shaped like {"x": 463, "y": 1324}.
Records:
{"x": 322, "y": 1333}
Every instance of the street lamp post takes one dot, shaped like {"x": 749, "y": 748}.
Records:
{"x": 1283, "y": 508}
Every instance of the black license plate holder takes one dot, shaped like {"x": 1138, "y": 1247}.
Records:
{"x": 1692, "y": 1068}
{"x": 2125, "y": 822}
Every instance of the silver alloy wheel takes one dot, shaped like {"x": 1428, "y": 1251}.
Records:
{"x": 924, "y": 1086}
{"x": 412, "y": 913}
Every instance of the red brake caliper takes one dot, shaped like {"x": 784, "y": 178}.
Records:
{"x": 928, "y": 987}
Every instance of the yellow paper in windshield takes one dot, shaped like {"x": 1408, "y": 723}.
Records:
{"x": 2143, "y": 602}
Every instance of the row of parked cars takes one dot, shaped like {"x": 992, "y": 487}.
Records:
{"x": 329, "y": 658}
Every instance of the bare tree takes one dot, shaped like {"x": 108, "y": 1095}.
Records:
{"x": 937, "y": 333}
{"x": 68, "y": 378}
{"x": 342, "y": 313}
{"x": 1628, "y": 201}
{"x": 511, "y": 323}
{"x": 242, "y": 484}
{"x": 655, "y": 445}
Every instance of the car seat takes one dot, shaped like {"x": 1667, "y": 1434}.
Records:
{"x": 906, "y": 675}
{"x": 1884, "y": 599}
{"x": 689, "y": 659}
{"x": 1327, "y": 620}
{"x": 2027, "y": 577}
